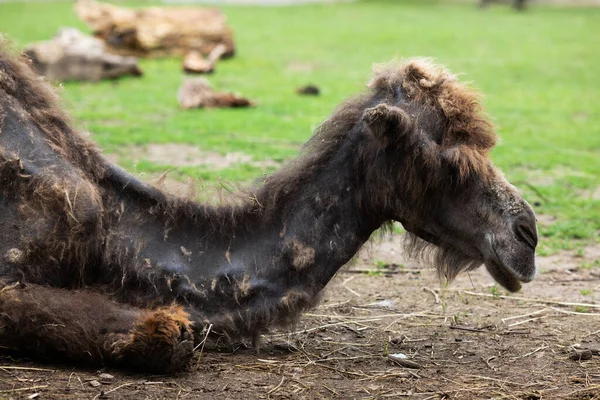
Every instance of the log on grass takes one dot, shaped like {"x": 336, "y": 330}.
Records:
{"x": 157, "y": 31}
{"x": 74, "y": 56}
{"x": 198, "y": 93}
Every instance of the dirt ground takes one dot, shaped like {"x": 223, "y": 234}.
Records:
{"x": 386, "y": 328}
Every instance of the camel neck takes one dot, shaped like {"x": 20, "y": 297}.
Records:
{"x": 314, "y": 226}
{"x": 270, "y": 256}
{"x": 322, "y": 222}
{"x": 308, "y": 224}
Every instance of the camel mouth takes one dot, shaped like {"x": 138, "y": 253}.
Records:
{"x": 503, "y": 273}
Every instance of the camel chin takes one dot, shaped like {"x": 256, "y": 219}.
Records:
{"x": 503, "y": 275}
{"x": 504, "y": 269}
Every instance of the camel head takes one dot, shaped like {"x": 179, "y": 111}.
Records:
{"x": 434, "y": 139}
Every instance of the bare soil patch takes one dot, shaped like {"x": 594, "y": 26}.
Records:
{"x": 381, "y": 316}
{"x": 541, "y": 178}
{"x": 180, "y": 155}
{"x": 301, "y": 66}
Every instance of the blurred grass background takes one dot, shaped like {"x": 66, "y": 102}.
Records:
{"x": 538, "y": 70}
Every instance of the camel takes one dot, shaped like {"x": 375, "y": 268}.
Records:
{"x": 100, "y": 268}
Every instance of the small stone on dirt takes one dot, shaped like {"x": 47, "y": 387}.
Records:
{"x": 397, "y": 340}
{"x": 384, "y": 303}
{"x": 581, "y": 355}
{"x": 106, "y": 377}
{"x": 33, "y": 396}
{"x": 94, "y": 383}
{"x": 403, "y": 362}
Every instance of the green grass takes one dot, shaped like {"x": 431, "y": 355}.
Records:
{"x": 538, "y": 70}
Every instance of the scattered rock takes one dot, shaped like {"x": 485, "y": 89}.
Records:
{"x": 388, "y": 303}
{"x": 197, "y": 93}
{"x": 400, "y": 359}
{"x": 285, "y": 347}
{"x": 397, "y": 340}
{"x": 309, "y": 90}
{"x": 94, "y": 383}
{"x": 581, "y": 355}
{"x": 106, "y": 377}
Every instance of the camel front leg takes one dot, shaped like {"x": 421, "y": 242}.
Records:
{"x": 90, "y": 329}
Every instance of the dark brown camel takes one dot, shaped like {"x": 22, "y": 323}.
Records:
{"x": 99, "y": 267}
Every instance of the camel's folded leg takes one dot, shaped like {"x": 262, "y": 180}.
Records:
{"x": 89, "y": 328}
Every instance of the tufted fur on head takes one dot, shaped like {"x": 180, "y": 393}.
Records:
{"x": 469, "y": 134}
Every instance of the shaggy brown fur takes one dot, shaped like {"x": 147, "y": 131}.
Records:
{"x": 468, "y": 134}
{"x": 165, "y": 334}
{"x": 98, "y": 267}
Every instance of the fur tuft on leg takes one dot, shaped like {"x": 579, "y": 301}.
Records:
{"x": 161, "y": 341}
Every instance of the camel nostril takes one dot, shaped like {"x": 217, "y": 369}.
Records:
{"x": 526, "y": 234}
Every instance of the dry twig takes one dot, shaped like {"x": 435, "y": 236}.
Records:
{"x": 435, "y": 296}
{"x": 120, "y": 386}
{"x": 26, "y": 368}
{"x": 560, "y": 303}
{"x": 276, "y": 388}
{"x": 23, "y": 389}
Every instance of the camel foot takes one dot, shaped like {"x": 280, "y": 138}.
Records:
{"x": 161, "y": 342}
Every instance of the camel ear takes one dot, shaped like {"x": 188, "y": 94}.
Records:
{"x": 387, "y": 122}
